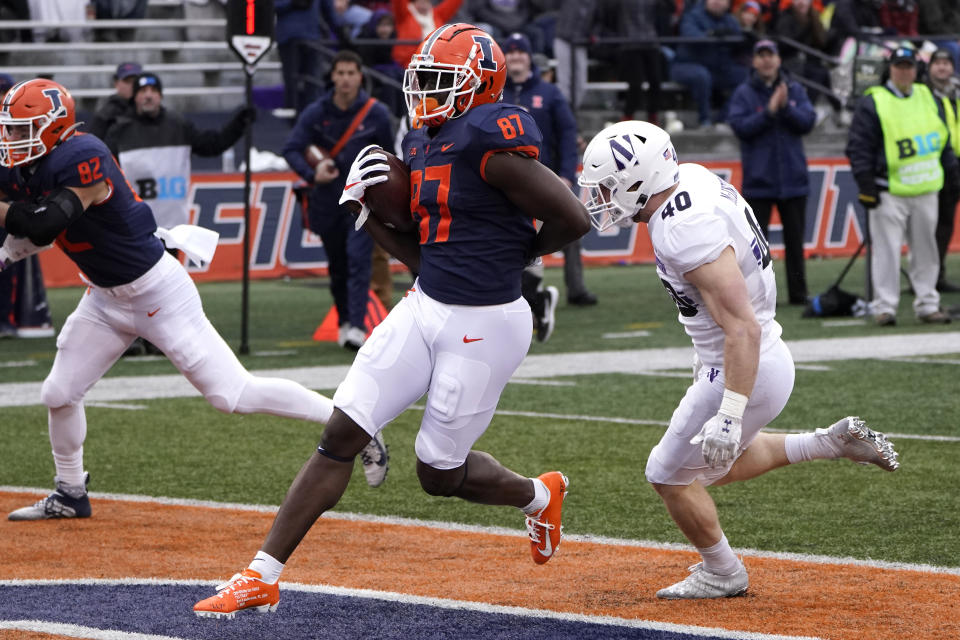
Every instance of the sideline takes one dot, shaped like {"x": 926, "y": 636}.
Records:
{"x": 633, "y": 361}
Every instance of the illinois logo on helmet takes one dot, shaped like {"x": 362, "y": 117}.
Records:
{"x": 35, "y": 116}
{"x": 457, "y": 67}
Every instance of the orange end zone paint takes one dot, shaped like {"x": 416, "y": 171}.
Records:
{"x": 145, "y": 540}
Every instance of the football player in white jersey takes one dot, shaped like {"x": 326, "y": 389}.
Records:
{"x": 715, "y": 264}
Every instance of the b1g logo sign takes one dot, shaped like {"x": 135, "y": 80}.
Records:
{"x": 919, "y": 145}
{"x": 162, "y": 188}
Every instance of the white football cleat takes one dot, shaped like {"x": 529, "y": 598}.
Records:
{"x": 376, "y": 460}
{"x": 852, "y": 439}
{"x": 703, "y": 584}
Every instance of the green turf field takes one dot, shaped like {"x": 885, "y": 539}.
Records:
{"x": 184, "y": 448}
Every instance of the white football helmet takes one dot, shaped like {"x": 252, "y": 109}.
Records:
{"x": 623, "y": 166}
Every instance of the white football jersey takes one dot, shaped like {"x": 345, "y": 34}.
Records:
{"x": 704, "y": 215}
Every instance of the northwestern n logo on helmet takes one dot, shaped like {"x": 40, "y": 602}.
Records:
{"x": 623, "y": 154}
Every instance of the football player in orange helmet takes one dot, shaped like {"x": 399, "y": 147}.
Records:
{"x": 36, "y": 116}
{"x": 457, "y": 67}
{"x": 477, "y": 189}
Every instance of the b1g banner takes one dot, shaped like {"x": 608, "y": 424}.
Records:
{"x": 280, "y": 246}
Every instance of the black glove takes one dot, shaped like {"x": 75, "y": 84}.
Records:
{"x": 869, "y": 195}
{"x": 869, "y": 200}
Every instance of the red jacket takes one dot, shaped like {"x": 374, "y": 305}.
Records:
{"x": 409, "y": 29}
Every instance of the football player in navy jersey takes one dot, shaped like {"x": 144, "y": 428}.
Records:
{"x": 67, "y": 188}
{"x": 463, "y": 328}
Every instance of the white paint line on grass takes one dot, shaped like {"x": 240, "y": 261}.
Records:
{"x": 544, "y": 366}
{"x": 369, "y": 594}
{"x": 625, "y": 334}
{"x": 17, "y": 364}
{"x": 502, "y": 531}
{"x": 116, "y": 405}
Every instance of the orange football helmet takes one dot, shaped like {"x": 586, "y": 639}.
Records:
{"x": 35, "y": 116}
{"x": 455, "y": 68}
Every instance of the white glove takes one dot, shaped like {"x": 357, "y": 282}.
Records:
{"x": 721, "y": 439}
{"x": 368, "y": 161}
{"x": 16, "y": 249}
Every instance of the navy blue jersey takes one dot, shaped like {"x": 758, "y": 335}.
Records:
{"x": 112, "y": 241}
{"x": 474, "y": 242}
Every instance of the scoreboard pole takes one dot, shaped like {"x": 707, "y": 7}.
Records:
{"x": 250, "y": 26}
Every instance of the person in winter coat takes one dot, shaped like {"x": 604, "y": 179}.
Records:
{"x": 770, "y": 113}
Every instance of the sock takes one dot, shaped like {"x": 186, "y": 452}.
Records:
{"x": 281, "y": 397}
{"x": 267, "y": 566}
{"x": 720, "y": 558}
{"x": 815, "y": 445}
{"x": 68, "y": 430}
{"x": 541, "y": 496}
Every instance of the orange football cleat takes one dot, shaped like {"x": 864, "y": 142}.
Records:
{"x": 244, "y": 590}
{"x": 544, "y": 526}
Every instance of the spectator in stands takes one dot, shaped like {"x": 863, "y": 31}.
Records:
{"x": 770, "y": 113}
{"x": 551, "y": 111}
{"x": 638, "y": 60}
{"x": 500, "y": 19}
{"x": 19, "y": 10}
{"x": 118, "y": 10}
{"x": 350, "y": 18}
{"x": 851, "y": 18}
{"x": 748, "y": 15}
{"x": 577, "y": 23}
{"x": 299, "y": 28}
{"x": 941, "y": 17}
{"x": 382, "y": 26}
{"x": 898, "y": 182}
{"x": 946, "y": 86}
{"x": 341, "y": 122}
{"x": 119, "y": 103}
{"x": 153, "y": 145}
{"x": 416, "y": 19}
{"x": 899, "y": 17}
{"x": 703, "y": 67}
{"x": 801, "y": 22}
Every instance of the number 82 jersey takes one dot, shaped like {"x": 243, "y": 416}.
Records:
{"x": 705, "y": 215}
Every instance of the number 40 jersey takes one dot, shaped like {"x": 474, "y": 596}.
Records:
{"x": 704, "y": 216}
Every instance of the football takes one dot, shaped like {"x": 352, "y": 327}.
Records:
{"x": 389, "y": 201}
{"x": 314, "y": 155}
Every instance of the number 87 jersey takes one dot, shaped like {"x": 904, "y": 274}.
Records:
{"x": 704, "y": 216}
{"x": 474, "y": 242}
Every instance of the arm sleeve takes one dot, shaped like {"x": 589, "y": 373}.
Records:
{"x": 744, "y": 118}
{"x": 565, "y": 130}
{"x": 299, "y": 140}
{"x": 212, "y": 142}
{"x": 798, "y": 113}
{"x": 865, "y": 140}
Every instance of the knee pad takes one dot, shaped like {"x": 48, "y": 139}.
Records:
{"x": 221, "y": 403}
{"x": 53, "y": 395}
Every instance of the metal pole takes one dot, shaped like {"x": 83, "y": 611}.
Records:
{"x": 245, "y": 295}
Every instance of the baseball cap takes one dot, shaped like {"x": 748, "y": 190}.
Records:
{"x": 517, "y": 42}
{"x": 765, "y": 45}
{"x": 147, "y": 80}
{"x": 752, "y": 6}
{"x": 127, "y": 69}
{"x": 942, "y": 54}
{"x": 903, "y": 54}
